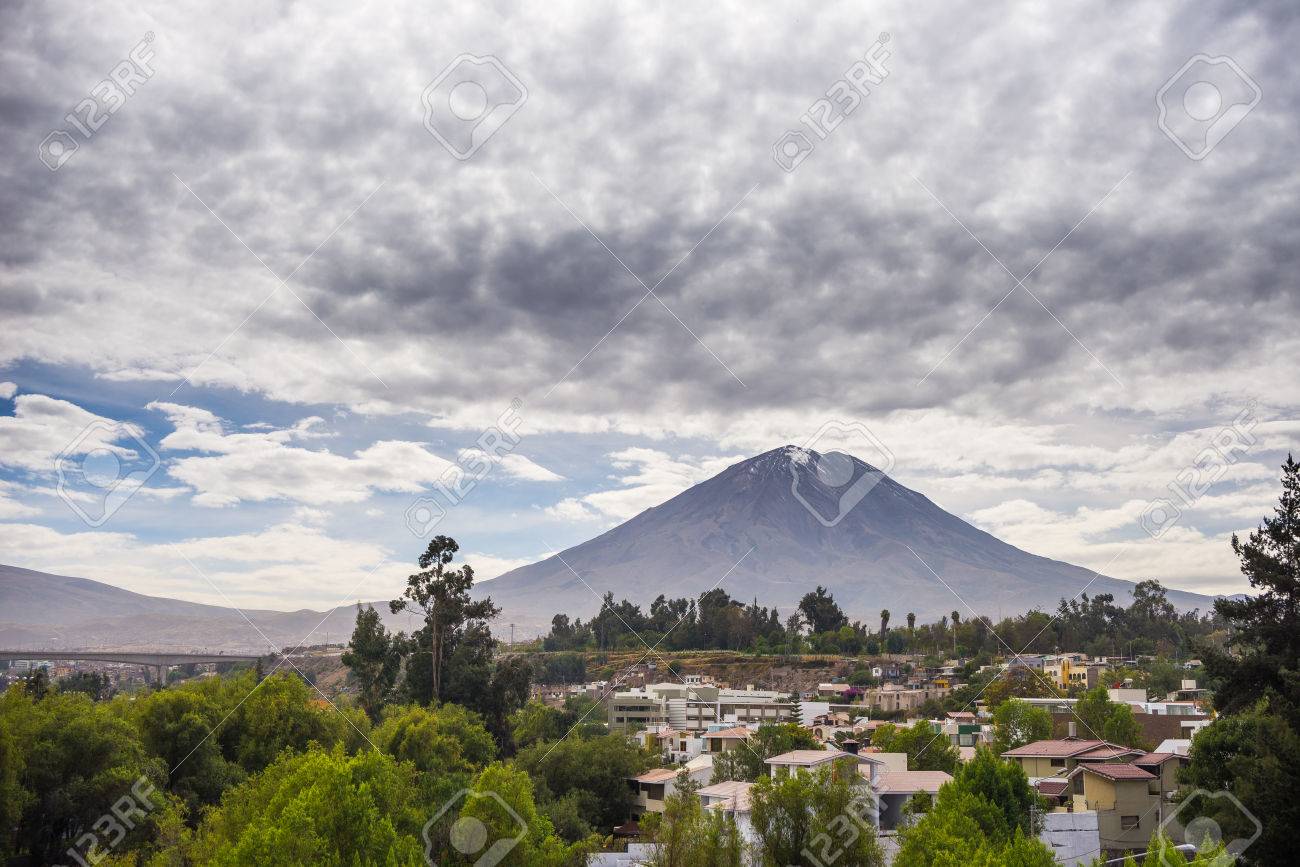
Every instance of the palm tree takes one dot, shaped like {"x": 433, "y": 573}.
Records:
{"x": 884, "y": 626}
{"x": 956, "y": 621}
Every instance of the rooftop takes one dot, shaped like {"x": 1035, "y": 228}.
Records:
{"x": 909, "y": 782}
{"x": 1066, "y": 748}
{"x": 811, "y": 758}
{"x": 656, "y": 775}
{"x": 1107, "y": 751}
{"x": 731, "y": 795}
{"x": 1118, "y": 772}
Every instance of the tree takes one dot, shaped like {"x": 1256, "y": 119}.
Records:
{"x": 373, "y": 657}
{"x": 1266, "y": 624}
{"x": 956, "y": 621}
{"x": 983, "y": 816}
{"x": 746, "y": 762}
{"x": 1016, "y": 682}
{"x": 686, "y": 835}
{"x": 911, "y": 623}
{"x": 819, "y": 817}
{"x": 1016, "y": 723}
{"x": 1253, "y": 748}
{"x": 1255, "y": 754}
{"x": 72, "y": 759}
{"x": 446, "y": 739}
{"x": 315, "y": 808}
{"x": 599, "y": 765}
{"x": 884, "y": 624}
{"x": 442, "y": 595}
{"x": 509, "y": 823}
{"x": 92, "y": 683}
{"x": 37, "y": 683}
{"x": 926, "y": 751}
{"x": 821, "y": 611}
{"x": 1107, "y": 720}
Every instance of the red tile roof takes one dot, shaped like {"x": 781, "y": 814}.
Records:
{"x": 1118, "y": 771}
{"x": 1056, "y": 749}
{"x": 1107, "y": 751}
{"x": 1156, "y": 759}
{"x": 1052, "y": 787}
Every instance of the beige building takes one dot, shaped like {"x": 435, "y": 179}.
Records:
{"x": 1120, "y": 795}
{"x": 892, "y": 698}
{"x": 694, "y": 707}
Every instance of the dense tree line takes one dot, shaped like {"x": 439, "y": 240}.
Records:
{"x": 1149, "y": 625}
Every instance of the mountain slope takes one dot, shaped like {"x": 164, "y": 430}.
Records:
{"x": 39, "y": 610}
{"x": 749, "y": 520}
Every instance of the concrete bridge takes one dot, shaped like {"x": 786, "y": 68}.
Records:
{"x": 159, "y": 661}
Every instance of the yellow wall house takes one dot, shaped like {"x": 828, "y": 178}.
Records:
{"x": 1127, "y": 811}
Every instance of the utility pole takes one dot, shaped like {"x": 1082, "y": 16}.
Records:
{"x": 512, "y": 635}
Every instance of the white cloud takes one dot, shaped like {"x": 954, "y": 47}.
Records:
{"x": 8, "y": 389}
{"x": 11, "y": 508}
{"x": 515, "y": 465}
{"x": 488, "y": 566}
{"x": 265, "y": 465}
{"x": 284, "y": 566}
{"x": 42, "y": 428}
{"x": 651, "y": 477}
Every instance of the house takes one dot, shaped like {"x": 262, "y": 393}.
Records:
{"x": 732, "y": 799}
{"x": 895, "y": 788}
{"x": 1072, "y": 669}
{"x": 1164, "y": 766}
{"x": 892, "y": 698}
{"x": 673, "y": 745}
{"x": 654, "y": 787}
{"x": 1120, "y": 794}
{"x": 724, "y": 739}
{"x": 637, "y": 855}
{"x": 805, "y": 761}
{"x": 1178, "y": 746}
{"x": 1057, "y": 758}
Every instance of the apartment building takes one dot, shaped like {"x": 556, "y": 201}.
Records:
{"x": 695, "y": 707}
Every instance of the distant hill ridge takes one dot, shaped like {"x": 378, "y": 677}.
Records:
{"x": 39, "y": 610}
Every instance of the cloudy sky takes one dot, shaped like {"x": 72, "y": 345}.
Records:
{"x": 267, "y": 285}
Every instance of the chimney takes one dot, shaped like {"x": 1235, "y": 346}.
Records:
{"x": 1073, "y": 733}
{"x": 850, "y": 747}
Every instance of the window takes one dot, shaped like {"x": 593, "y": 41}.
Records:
{"x": 1058, "y": 763}
{"x": 1129, "y": 823}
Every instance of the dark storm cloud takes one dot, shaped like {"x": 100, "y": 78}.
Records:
{"x": 843, "y": 283}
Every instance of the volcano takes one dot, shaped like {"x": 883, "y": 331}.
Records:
{"x": 776, "y": 525}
